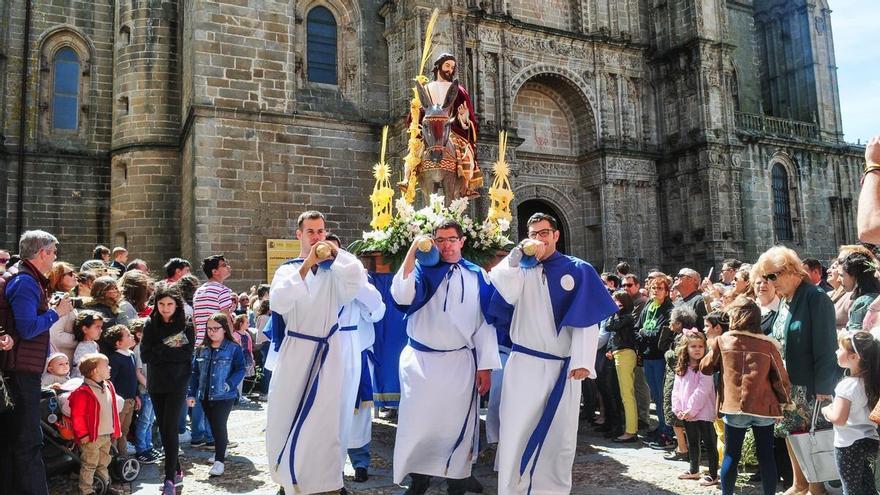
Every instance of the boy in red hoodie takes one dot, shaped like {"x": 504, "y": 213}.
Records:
{"x": 95, "y": 419}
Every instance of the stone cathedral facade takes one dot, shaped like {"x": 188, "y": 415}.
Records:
{"x": 661, "y": 132}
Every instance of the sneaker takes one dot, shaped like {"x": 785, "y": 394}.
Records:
{"x": 158, "y": 453}
{"x": 147, "y": 457}
{"x": 184, "y": 437}
{"x": 676, "y": 456}
{"x": 663, "y": 443}
{"x": 205, "y": 445}
{"x": 244, "y": 400}
{"x": 168, "y": 488}
{"x": 198, "y": 443}
{"x": 231, "y": 445}
{"x": 650, "y": 437}
{"x": 216, "y": 469}
{"x": 178, "y": 478}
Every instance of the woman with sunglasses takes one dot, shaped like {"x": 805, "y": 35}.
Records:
{"x": 62, "y": 278}
{"x": 652, "y": 320}
{"x": 805, "y": 328}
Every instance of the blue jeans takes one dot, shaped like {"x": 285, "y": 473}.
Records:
{"x": 360, "y": 457}
{"x": 655, "y": 373}
{"x": 143, "y": 428}
{"x": 199, "y": 426}
{"x": 267, "y": 375}
{"x": 733, "y": 441}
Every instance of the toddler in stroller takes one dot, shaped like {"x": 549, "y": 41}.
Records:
{"x": 61, "y": 454}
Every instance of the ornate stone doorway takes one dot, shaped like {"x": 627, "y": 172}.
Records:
{"x": 530, "y": 207}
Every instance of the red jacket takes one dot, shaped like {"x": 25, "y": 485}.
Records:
{"x": 84, "y": 412}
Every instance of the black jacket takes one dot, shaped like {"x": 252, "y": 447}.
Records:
{"x": 649, "y": 339}
{"x": 169, "y": 359}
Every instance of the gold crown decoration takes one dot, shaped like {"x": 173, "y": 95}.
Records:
{"x": 500, "y": 193}
{"x": 415, "y": 145}
{"x": 383, "y": 194}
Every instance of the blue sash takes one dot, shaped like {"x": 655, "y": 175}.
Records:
{"x": 365, "y": 387}
{"x": 536, "y": 440}
{"x": 307, "y": 400}
{"x": 415, "y": 344}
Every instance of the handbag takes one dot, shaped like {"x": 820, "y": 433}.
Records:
{"x": 815, "y": 452}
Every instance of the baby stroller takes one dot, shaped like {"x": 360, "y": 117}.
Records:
{"x": 60, "y": 453}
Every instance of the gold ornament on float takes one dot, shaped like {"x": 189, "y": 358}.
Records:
{"x": 383, "y": 194}
{"x": 500, "y": 193}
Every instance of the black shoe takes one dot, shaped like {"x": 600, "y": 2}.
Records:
{"x": 418, "y": 485}
{"x": 676, "y": 456}
{"x": 198, "y": 443}
{"x": 361, "y": 475}
{"x": 462, "y": 486}
{"x": 632, "y": 439}
{"x": 343, "y": 491}
{"x": 473, "y": 485}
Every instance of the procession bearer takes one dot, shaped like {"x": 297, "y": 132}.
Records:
{"x": 557, "y": 306}
{"x": 448, "y": 361}
{"x": 303, "y": 438}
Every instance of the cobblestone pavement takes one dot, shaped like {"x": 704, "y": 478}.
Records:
{"x": 601, "y": 467}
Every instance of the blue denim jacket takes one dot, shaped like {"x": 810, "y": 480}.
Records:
{"x": 227, "y": 371}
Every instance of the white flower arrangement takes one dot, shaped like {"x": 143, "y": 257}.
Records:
{"x": 483, "y": 239}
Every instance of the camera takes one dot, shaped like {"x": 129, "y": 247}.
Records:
{"x": 56, "y": 297}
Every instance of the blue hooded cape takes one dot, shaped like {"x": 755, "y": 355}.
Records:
{"x": 581, "y": 302}
{"x": 429, "y": 278}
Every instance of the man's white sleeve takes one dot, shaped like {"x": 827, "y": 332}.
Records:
{"x": 584, "y": 345}
{"x": 350, "y": 276}
{"x": 486, "y": 345}
{"x": 370, "y": 301}
{"x": 508, "y": 280}
{"x": 403, "y": 290}
{"x": 287, "y": 287}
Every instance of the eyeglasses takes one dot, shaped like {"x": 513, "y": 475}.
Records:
{"x": 214, "y": 329}
{"x": 772, "y": 276}
{"x": 682, "y": 275}
{"x": 541, "y": 233}
{"x": 444, "y": 240}
{"x": 627, "y": 285}
{"x": 4, "y": 260}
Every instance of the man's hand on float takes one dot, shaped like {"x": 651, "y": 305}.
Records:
{"x": 579, "y": 374}
{"x": 484, "y": 381}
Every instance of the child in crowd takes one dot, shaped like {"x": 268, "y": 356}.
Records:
{"x": 57, "y": 371}
{"x": 218, "y": 369}
{"x": 118, "y": 343}
{"x": 87, "y": 331}
{"x": 752, "y": 393}
{"x": 143, "y": 426}
{"x": 245, "y": 340}
{"x": 715, "y": 324}
{"x": 95, "y": 420}
{"x": 855, "y": 436}
{"x": 693, "y": 401}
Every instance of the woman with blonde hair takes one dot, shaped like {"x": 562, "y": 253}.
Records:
{"x": 805, "y": 328}
{"x": 652, "y": 320}
{"x": 62, "y": 278}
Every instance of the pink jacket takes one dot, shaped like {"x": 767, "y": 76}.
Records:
{"x": 694, "y": 393}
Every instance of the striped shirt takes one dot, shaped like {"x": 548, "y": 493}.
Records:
{"x": 212, "y": 297}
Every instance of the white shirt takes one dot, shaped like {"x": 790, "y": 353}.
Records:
{"x": 857, "y": 426}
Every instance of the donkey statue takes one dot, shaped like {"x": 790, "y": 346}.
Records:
{"x": 443, "y": 161}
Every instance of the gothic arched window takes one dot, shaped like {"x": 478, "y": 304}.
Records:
{"x": 781, "y": 204}
{"x": 65, "y": 90}
{"x": 321, "y": 46}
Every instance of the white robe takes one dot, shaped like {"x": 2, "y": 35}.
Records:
{"x": 366, "y": 308}
{"x": 436, "y": 388}
{"x": 309, "y": 307}
{"x": 528, "y": 381}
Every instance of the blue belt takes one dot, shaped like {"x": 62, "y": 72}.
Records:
{"x": 307, "y": 400}
{"x": 536, "y": 440}
{"x": 349, "y": 328}
{"x": 415, "y": 344}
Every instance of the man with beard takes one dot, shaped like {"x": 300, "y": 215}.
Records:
{"x": 464, "y": 127}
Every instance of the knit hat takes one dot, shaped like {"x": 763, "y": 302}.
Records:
{"x": 53, "y": 356}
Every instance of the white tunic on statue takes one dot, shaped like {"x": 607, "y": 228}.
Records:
{"x": 309, "y": 307}
{"x": 437, "y": 388}
{"x": 366, "y": 308}
{"x": 528, "y": 381}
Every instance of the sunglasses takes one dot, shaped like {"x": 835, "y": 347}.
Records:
{"x": 4, "y": 260}
{"x": 772, "y": 276}
{"x": 627, "y": 285}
